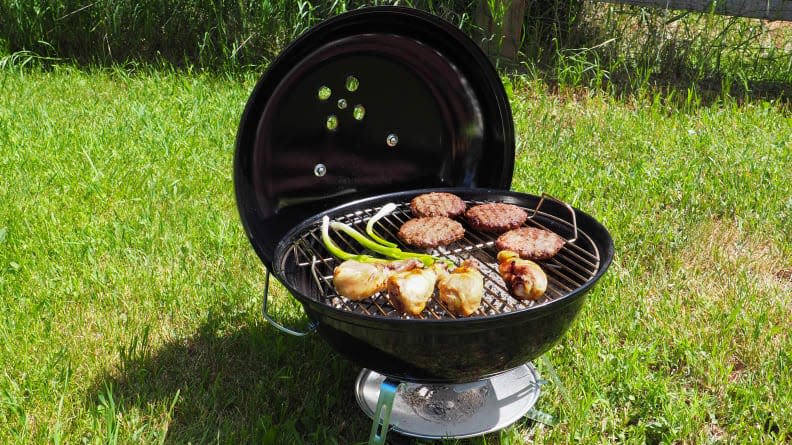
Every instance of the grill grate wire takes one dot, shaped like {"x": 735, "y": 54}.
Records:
{"x": 573, "y": 266}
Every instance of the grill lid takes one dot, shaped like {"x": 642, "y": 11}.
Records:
{"x": 372, "y": 101}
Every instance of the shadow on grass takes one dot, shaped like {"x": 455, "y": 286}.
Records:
{"x": 247, "y": 385}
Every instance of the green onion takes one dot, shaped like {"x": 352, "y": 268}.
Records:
{"x": 338, "y": 252}
{"x": 390, "y": 252}
{"x": 385, "y": 210}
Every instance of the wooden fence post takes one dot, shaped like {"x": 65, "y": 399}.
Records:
{"x": 506, "y": 40}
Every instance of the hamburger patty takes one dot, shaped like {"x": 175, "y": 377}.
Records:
{"x": 531, "y": 243}
{"x": 437, "y": 204}
{"x": 431, "y": 231}
{"x": 496, "y": 217}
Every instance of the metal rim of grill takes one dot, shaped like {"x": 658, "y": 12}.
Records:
{"x": 576, "y": 263}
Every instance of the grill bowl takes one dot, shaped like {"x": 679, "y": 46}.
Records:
{"x": 446, "y": 349}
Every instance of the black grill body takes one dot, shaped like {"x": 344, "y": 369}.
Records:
{"x": 436, "y": 116}
{"x": 446, "y": 349}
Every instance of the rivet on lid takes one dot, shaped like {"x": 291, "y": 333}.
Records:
{"x": 392, "y": 140}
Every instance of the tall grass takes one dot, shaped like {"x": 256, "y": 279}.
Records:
{"x": 631, "y": 46}
{"x": 566, "y": 42}
{"x": 208, "y": 34}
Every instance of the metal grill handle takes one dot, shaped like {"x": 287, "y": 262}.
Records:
{"x": 311, "y": 328}
{"x": 568, "y": 207}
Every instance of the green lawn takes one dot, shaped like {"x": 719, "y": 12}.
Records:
{"x": 130, "y": 295}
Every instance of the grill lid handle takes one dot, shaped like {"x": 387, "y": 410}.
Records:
{"x": 311, "y": 328}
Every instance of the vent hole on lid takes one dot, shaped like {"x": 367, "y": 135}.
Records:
{"x": 324, "y": 92}
{"x": 352, "y": 83}
{"x": 332, "y": 122}
{"x": 359, "y": 112}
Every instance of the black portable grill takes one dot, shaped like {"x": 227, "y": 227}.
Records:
{"x": 380, "y": 105}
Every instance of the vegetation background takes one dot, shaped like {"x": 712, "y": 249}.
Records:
{"x": 130, "y": 296}
{"x": 563, "y": 41}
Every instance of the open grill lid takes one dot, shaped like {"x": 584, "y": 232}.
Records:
{"x": 373, "y": 101}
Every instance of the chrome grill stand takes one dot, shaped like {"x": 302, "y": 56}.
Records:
{"x": 428, "y": 411}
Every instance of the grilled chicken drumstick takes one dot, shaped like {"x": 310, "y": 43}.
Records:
{"x": 461, "y": 291}
{"x": 409, "y": 291}
{"x": 357, "y": 281}
{"x": 526, "y": 280}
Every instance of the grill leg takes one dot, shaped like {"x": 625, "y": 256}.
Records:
{"x": 379, "y": 428}
{"x": 543, "y": 417}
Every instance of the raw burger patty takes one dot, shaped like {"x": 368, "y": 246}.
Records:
{"x": 431, "y": 231}
{"x": 437, "y": 204}
{"x": 496, "y": 217}
{"x": 531, "y": 243}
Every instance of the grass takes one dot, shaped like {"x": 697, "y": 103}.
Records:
{"x": 131, "y": 296}
{"x": 570, "y": 43}
{"x": 217, "y": 34}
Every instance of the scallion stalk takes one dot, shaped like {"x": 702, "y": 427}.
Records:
{"x": 340, "y": 253}
{"x": 390, "y": 252}
{"x": 385, "y": 210}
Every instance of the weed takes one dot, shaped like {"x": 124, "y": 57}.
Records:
{"x": 613, "y": 47}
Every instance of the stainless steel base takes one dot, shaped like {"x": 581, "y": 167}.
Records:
{"x": 454, "y": 411}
